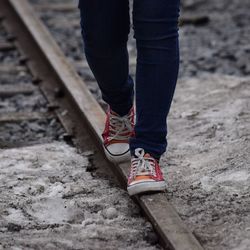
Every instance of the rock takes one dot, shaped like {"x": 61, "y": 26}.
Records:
{"x": 110, "y": 213}
{"x": 12, "y": 227}
{"x": 194, "y": 20}
{"x": 151, "y": 237}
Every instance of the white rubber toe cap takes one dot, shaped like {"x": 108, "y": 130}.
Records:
{"x": 146, "y": 186}
{"x": 117, "y": 152}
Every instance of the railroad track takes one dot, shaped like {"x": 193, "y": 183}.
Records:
{"x": 80, "y": 113}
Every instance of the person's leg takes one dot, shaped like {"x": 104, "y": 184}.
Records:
{"x": 156, "y": 32}
{"x": 105, "y": 27}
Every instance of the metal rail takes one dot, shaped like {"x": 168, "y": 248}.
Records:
{"x": 37, "y": 43}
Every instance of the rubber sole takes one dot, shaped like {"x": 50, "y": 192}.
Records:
{"x": 146, "y": 187}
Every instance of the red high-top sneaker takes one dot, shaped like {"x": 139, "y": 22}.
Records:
{"x": 145, "y": 174}
{"x": 118, "y": 130}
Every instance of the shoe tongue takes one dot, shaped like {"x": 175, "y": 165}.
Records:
{"x": 147, "y": 155}
{"x": 113, "y": 112}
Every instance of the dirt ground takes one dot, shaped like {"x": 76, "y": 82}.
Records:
{"x": 57, "y": 204}
{"x": 208, "y": 161}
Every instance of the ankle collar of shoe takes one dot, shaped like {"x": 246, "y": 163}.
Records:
{"x": 121, "y": 114}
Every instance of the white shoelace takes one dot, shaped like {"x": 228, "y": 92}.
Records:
{"x": 120, "y": 126}
{"x": 141, "y": 165}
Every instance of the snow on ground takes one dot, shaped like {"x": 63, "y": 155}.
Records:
{"x": 49, "y": 201}
{"x": 208, "y": 161}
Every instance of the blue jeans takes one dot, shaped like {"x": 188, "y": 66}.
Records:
{"x": 105, "y": 28}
